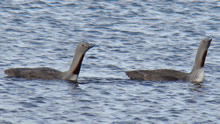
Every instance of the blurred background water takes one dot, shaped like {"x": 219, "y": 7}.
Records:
{"x": 129, "y": 35}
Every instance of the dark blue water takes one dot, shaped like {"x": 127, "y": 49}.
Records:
{"x": 128, "y": 35}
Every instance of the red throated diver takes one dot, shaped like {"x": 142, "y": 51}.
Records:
{"x": 196, "y": 75}
{"x": 53, "y": 74}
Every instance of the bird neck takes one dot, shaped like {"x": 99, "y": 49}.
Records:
{"x": 200, "y": 59}
{"x": 76, "y": 64}
{"x": 73, "y": 72}
{"x": 197, "y": 73}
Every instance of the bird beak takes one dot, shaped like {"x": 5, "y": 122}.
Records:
{"x": 91, "y": 46}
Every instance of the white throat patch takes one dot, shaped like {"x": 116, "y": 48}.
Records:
{"x": 73, "y": 77}
{"x": 198, "y": 75}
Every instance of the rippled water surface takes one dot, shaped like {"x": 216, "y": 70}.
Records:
{"x": 128, "y": 35}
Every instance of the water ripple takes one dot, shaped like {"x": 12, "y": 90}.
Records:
{"x": 129, "y": 35}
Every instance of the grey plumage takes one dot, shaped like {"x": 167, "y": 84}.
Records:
{"x": 157, "y": 75}
{"x": 196, "y": 75}
{"x": 46, "y": 73}
{"x": 34, "y": 73}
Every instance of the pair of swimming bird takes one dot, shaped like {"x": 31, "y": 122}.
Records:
{"x": 196, "y": 75}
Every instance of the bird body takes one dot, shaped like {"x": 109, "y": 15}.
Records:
{"x": 46, "y": 73}
{"x": 34, "y": 73}
{"x": 156, "y": 75}
{"x": 196, "y": 75}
